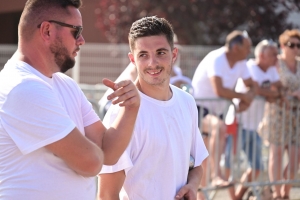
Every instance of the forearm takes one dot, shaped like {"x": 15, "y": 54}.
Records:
{"x": 229, "y": 94}
{"x": 267, "y": 93}
{"x": 117, "y": 137}
{"x": 110, "y": 185}
{"x": 194, "y": 177}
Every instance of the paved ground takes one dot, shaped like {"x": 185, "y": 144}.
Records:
{"x": 223, "y": 194}
{"x": 294, "y": 195}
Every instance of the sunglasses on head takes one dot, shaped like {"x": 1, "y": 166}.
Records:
{"x": 292, "y": 45}
{"x": 78, "y": 29}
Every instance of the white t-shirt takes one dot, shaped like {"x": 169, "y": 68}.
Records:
{"x": 36, "y": 111}
{"x": 251, "y": 118}
{"x": 166, "y": 133}
{"x": 216, "y": 64}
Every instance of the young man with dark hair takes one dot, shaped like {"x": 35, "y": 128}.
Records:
{"x": 51, "y": 140}
{"x": 155, "y": 165}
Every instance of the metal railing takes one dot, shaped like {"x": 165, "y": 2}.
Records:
{"x": 285, "y": 129}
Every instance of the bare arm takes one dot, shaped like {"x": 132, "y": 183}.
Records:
{"x": 251, "y": 85}
{"x": 109, "y": 185}
{"x": 189, "y": 191}
{"x": 80, "y": 154}
{"x": 115, "y": 139}
{"x": 270, "y": 92}
{"x": 223, "y": 92}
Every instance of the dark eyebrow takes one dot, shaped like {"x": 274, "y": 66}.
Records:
{"x": 141, "y": 52}
{"x": 162, "y": 49}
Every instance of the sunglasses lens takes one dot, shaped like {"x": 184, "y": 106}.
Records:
{"x": 77, "y": 33}
{"x": 293, "y": 45}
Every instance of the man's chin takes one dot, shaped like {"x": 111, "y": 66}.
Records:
{"x": 68, "y": 64}
{"x": 64, "y": 70}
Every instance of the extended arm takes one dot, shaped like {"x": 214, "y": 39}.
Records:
{"x": 109, "y": 185}
{"x": 271, "y": 93}
{"x": 115, "y": 139}
{"x": 223, "y": 92}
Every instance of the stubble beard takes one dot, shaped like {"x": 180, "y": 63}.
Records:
{"x": 158, "y": 82}
{"x": 61, "y": 57}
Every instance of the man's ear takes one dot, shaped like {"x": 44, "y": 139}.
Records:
{"x": 45, "y": 30}
{"x": 131, "y": 58}
{"x": 174, "y": 54}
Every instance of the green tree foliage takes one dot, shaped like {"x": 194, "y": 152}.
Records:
{"x": 195, "y": 22}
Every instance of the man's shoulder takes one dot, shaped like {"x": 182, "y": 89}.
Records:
{"x": 64, "y": 80}
{"x": 21, "y": 82}
{"x": 180, "y": 94}
{"x": 63, "y": 76}
{"x": 216, "y": 54}
{"x": 251, "y": 65}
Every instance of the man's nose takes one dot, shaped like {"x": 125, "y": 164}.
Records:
{"x": 80, "y": 40}
{"x": 153, "y": 61}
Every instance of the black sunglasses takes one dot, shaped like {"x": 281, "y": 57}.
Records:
{"x": 292, "y": 45}
{"x": 77, "y": 33}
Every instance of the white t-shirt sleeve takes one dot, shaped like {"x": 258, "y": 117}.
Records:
{"x": 212, "y": 68}
{"x": 198, "y": 150}
{"x": 33, "y": 116}
{"x": 125, "y": 161}
{"x": 245, "y": 74}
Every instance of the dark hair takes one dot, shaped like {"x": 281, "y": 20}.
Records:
{"x": 235, "y": 38}
{"x": 37, "y": 11}
{"x": 150, "y": 26}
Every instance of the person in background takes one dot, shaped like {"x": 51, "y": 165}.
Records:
{"x": 156, "y": 163}
{"x": 263, "y": 72}
{"x": 215, "y": 77}
{"x": 52, "y": 143}
{"x": 280, "y": 122}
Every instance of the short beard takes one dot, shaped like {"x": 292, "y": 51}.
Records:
{"x": 61, "y": 58}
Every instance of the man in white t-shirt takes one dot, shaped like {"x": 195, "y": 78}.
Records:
{"x": 215, "y": 77}
{"x": 155, "y": 165}
{"x": 263, "y": 72}
{"x": 177, "y": 79}
{"x": 52, "y": 143}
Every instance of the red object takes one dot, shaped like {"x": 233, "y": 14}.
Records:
{"x": 232, "y": 129}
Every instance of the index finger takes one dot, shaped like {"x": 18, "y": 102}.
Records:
{"x": 109, "y": 83}
{"x": 122, "y": 83}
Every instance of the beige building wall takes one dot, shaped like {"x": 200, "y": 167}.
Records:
{"x": 10, "y": 11}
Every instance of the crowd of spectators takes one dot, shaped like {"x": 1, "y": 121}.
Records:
{"x": 264, "y": 93}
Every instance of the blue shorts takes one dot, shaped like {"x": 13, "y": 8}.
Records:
{"x": 248, "y": 147}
